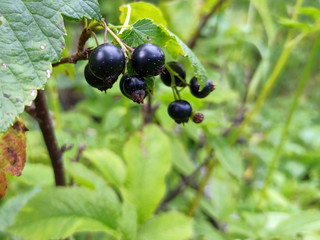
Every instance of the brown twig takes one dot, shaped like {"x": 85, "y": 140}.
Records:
{"x": 81, "y": 148}
{"x": 148, "y": 111}
{"x": 185, "y": 181}
{"x": 82, "y": 52}
{"x": 203, "y": 23}
{"x": 242, "y": 110}
{"x": 41, "y": 113}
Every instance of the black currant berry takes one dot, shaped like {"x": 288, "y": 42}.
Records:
{"x": 180, "y": 111}
{"x": 179, "y": 69}
{"x": 133, "y": 87}
{"x": 194, "y": 88}
{"x": 148, "y": 60}
{"x": 107, "y": 61}
{"x": 93, "y": 81}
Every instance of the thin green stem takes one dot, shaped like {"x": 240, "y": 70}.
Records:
{"x": 116, "y": 27}
{"x": 95, "y": 37}
{"x": 194, "y": 204}
{"x": 277, "y": 152}
{"x": 126, "y": 22}
{"x": 272, "y": 79}
{"x": 105, "y": 31}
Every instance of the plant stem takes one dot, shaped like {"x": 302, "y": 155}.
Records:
{"x": 46, "y": 126}
{"x": 185, "y": 181}
{"x": 204, "y": 21}
{"x": 277, "y": 152}
{"x": 194, "y": 204}
{"x": 126, "y": 22}
{"x": 271, "y": 80}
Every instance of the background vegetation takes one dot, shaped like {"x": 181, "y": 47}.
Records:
{"x": 249, "y": 171}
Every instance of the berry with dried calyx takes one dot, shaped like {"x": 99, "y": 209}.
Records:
{"x": 194, "y": 88}
{"x": 133, "y": 87}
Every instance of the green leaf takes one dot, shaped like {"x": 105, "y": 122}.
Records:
{"x": 31, "y": 38}
{"x": 10, "y": 209}
{"x": 167, "y": 226}
{"x": 228, "y": 156}
{"x": 109, "y": 164}
{"x": 294, "y": 24}
{"x": 37, "y": 174}
{"x": 175, "y": 47}
{"x": 128, "y": 221}
{"x": 60, "y": 212}
{"x": 148, "y": 158}
{"x": 176, "y": 12}
{"x": 180, "y": 158}
{"x": 305, "y": 221}
{"x": 311, "y": 11}
{"x": 145, "y": 30}
{"x": 84, "y": 176}
{"x": 142, "y": 10}
{"x": 142, "y": 31}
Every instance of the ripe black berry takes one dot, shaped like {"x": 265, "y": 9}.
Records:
{"x": 194, "y": 88}
{"x": 180, "y": 111}
{"x": 93, "y": 80}
{"x": 133, "y": 87}
{"x": 179, "y": 69}
{"x": 107, "y": 61}
{"x": 148, "y": 60}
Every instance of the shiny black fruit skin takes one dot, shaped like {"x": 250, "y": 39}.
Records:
{"x": 179, "y": 69}
{"x": 93, "y": 81}
{"x": 133, "y": 87}
{"x": 148, "y": 60}
{"x": 107, "y": 61}
{"x": 194, "y": 88}
{"x": 180, "y": 111}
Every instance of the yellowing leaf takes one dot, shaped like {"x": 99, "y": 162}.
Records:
{"x": 13, "y": 149}
{"x": 3, "y": 184}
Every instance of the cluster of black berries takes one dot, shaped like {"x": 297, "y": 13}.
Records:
{"x": 107, "y": 62}
{"x": 181, "y": 110}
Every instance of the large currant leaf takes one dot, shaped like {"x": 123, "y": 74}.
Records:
{"x": 148, "y": 158}
{"x": 31, "y": 38}
{"x": 137, "y": 10}
{"x": 59, "y": 212}
{"x": 142, "y": 31}
{"x": 167, "y": 226}
{"x": 145, "y": 30}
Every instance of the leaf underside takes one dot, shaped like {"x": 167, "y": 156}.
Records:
{"x": 31, "y": 38}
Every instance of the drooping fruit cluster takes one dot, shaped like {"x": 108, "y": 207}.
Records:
{"x": 106, "y": 63}
{"x": 180, "y": 110}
